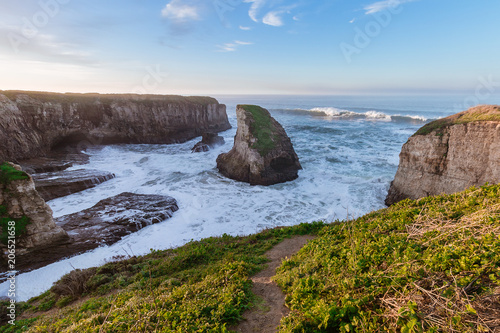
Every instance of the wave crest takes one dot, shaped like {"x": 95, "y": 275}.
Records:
{"x": 333, "y": 112}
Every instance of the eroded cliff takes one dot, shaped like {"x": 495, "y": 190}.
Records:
{"x": 34, "y": 123}
{"x": 22, "y": 208}
{"x": 449, "y": 155}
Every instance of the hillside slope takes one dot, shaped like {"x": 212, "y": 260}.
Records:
{"x": 431, "y": 265}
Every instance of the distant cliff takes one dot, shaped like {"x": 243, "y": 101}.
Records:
{"x": 449, "y": 155}
{"x": 34, "y": 123}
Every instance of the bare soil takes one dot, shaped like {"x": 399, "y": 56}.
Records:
{"x": 265, "y": 316}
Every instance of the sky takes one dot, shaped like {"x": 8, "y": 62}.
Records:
{"x": 203, "y": 47}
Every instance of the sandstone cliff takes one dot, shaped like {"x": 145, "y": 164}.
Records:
{"x": 262, "y": 153}
{"x": 34, "y": 123}
{"x": 449, "y": 155}
{"x": 20, "y": 202}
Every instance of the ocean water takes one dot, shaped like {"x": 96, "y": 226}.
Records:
{"x": 348, "y": 148}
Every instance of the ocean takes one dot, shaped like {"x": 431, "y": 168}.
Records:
{"x": 348, "y": 147}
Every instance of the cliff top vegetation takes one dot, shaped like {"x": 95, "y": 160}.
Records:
{"x": 262, "y": 128}
{"x": 478, "y": 113}
{"x": 105, "y": 98}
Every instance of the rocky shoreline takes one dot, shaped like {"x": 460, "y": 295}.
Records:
{"x": 47, "y": 133}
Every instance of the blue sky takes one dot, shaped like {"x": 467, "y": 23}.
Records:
{"x": 249, "y": 46}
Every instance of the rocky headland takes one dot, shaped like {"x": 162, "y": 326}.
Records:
{"x": 262, "y": 153}
{"x": 36, "y": 123}
{"x": 20, "y": 202}
{"x": 41, "y": 240}
{"x": 449, "y": 155}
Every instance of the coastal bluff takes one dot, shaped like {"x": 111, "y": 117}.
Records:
{"x": 35, "y": 123}
{"x": 449, "y": 155}
{"x": 263, "y": 153}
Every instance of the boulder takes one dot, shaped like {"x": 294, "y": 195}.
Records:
{"x": 262, "y": 153}
{"x": 20, "y": 202}
{"x": 449, "y": 155}
{"x": 208, "y": 140}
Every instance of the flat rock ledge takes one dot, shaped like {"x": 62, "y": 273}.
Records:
{"x": 104, "y": 224}
{"x": 52, "y": 185}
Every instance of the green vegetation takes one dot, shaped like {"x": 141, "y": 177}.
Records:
{"x": 262, "y": 129}
{"x": 9, "y": 174}
{"x": 203, "y": 286}
{"x": 19, "y": 226}
{"x": 431, "y": 265}
{"x": 480, "y": 113}
{"x": 92, "y": 98}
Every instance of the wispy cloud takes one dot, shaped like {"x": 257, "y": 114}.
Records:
{"x": 179, "y": 11}
{"x": 383, "y": 5}
{"x": 231, "y": 47}
{"x": 274, "y": 18}
{"x": 245, "y": 28}
{"x": 43, "y": 47}
{"x": 255, "y": 8}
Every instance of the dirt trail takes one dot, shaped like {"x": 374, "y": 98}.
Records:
{"x": 266, "y": 315}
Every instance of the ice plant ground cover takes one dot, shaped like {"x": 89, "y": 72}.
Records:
{"x": 429, "y": 265}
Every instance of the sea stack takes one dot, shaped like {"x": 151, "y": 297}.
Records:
{"x": 449, "y": 155}
{"x": 262, "y": 153}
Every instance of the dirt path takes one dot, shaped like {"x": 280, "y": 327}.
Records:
{"x": 266, "y": 315}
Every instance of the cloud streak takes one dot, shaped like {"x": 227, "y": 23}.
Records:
{"x": 231, "y": 47}
{"x": 383, "y": 5}
{"x": 177, "y": 11}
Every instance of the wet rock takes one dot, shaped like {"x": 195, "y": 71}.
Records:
{"x": 53, "y": 185}
{"x": 104, "y": 224}
{"x": 208, "y": 140}
{"x": 200, "y": 147}
{"x": 53, "y": 162}
{"x": 262, "y": 153}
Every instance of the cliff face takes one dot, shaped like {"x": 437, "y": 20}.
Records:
{"x": 262, "y": 153}
{"x": 19, "y": 200}
{"x": 449, "y": 155}
{"x": 34, "y": 123}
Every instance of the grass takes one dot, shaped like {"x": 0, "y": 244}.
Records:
{"x": 92, "y": 98}
{"x": 9, "y": 174}
{"x": 431, "y": 265}
{"x": 479, "y": 113}
{"x": 203, "y": 286}
{"x": 262, "y": 129}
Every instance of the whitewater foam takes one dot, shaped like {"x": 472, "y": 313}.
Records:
{"x": 333, "y": 112}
